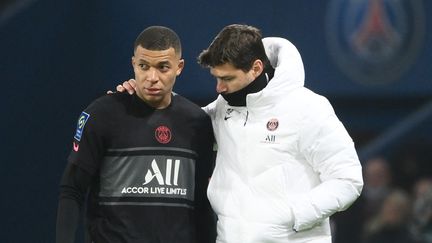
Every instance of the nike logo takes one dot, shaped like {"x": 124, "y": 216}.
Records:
{"x": 75, "y": 147}
{"x": 228, "y": 113}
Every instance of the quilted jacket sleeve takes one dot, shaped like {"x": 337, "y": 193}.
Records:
{"x": 328, "y": 148}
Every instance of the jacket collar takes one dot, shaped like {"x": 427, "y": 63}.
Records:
{"x": 238, "y": 98}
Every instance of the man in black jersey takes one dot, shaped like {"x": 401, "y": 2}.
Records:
{"x": 140, "y": 164}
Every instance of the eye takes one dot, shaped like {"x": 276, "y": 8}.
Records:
{"x": 226, "y": 79}
{"x": 143, "y": 66}
{"x": 164, "y": 67}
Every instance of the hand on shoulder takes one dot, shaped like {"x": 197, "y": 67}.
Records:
{"x": 128, "y": 86}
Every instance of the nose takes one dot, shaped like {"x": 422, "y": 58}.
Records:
{"x": 152, "y": 75}
{"x": 220, "y": 87}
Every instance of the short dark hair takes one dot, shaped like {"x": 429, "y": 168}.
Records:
{"x": 237, "y": 44}
{"x": 158, "y": 38}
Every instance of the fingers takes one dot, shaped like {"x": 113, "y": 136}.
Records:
{"x": 109, "y": 92}
{"x": 132, "y": 82}
{"x": 129, "y": 86}
{"x": 120, "y": 88}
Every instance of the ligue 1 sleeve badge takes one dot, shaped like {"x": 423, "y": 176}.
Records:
{"x": 80, "y": 125}
{"x": 163, "y": 134}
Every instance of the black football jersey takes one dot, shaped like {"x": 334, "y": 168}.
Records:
{"x": 150, "y": 169}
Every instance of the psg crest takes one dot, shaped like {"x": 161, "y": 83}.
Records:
{"x": 272, "y": 124}
{"x": 163, "y": 134}
{"x": 374, "y": 41}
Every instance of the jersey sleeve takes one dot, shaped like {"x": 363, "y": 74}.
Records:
{"x": 88, "y": 146}
{"x": 73, "y": 189}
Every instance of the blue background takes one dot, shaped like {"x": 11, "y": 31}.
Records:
{"x": 57, "y": 56}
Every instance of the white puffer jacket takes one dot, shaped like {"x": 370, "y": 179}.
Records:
{"x": 285, "y": 162}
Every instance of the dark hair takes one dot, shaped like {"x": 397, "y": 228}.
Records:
{"x": 239, "y": 45}
{"x": 158, "y": 38}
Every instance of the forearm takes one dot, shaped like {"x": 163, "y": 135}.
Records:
{"x": 73, "y": 189}
{"x": 68, "y": 214}
{"x": 323, "y": 201}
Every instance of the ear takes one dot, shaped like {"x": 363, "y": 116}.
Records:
{"x": 257, "y": 68}
{"x": 180, "y": 67}
{"x": 133, "y": 61}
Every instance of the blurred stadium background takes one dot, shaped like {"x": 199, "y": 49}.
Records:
{"x": 371, "y": 58}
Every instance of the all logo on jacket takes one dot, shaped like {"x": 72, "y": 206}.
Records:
{"x": 271, "y": 126}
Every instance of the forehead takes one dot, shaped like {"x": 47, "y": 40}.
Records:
{"x": 226, "y": 69}
{"x": 155, "y": 56}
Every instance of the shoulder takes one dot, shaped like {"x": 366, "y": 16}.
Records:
{"x": 108, "y": 102}
{"x": 311, "y": 103}
{"x": 104, "y": 108}
{"x": 214, "y": 106}
{"x": 113, "y": 99}
{"x": 192, "y": 114}
{"x": 318, "y": 115}
{"x": 188, "y": 107}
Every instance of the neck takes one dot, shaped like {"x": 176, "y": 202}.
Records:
{"x": 238, "y": 98}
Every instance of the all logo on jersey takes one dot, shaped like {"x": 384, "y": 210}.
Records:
{"x": 160, "y": 183}
{"x": 272, "y": 124}
{"x": 80, "y": 125}
{"x": 171, "y": 174}
{"x": 163, "y": 134}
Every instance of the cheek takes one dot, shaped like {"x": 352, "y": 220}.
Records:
{"x": 140, "y": 79}
{"x": 241, "y": 84}
{"x": 233, "y": 86}
{"x": 140, "y": 75}
{"x": 137, "y": 72}
{"x": 168, "y": 79}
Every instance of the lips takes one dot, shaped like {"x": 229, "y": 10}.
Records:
{"x": 153, "y": 91}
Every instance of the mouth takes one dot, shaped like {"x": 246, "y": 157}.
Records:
{"x": 152, "y": 91}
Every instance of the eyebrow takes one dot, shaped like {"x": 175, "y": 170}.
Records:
{"x": 164, "y": 62}
{"x": 158, "y": 64}
{"x": 224, "y": 76}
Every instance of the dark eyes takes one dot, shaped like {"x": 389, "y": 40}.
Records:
{"x": 226, "y": 79}
{"x": 162, "y": 68}
{"x": 143, "y": 66}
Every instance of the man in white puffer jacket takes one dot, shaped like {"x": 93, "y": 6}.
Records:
{"x": 285, "y": 163}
